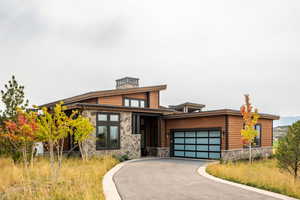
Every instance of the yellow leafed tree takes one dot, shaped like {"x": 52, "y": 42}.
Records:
{"x": 250, "y": 118}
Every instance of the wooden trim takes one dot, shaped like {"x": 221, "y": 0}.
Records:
{"x": 118, "y": 108}
{"x": 105, "y": 93}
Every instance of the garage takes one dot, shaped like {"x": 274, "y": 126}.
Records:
{"x": 196, "y": 143}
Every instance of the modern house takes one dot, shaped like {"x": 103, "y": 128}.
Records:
{"x": 130, "y": 120}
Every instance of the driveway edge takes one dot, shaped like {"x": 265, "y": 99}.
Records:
{"x": 202, "y": 172}
{"x": 109, "y": 187}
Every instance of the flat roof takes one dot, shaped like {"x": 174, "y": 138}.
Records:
{"x": 216, "y": 113}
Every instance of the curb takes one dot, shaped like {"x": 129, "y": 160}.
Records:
{"x": 109, "y": 188}
{"x": 202, "y": 172}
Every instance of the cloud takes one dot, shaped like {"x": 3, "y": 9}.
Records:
{"x": 19, "y": 21}
{"x": 209, "y": 52}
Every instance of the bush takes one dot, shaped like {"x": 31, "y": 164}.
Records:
{"x": 122, "y": 158}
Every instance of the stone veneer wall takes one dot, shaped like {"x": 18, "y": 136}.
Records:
{"x": 238, "y": 154}
{"x": 158, "y": 151}
{"x": 130, "y": 144}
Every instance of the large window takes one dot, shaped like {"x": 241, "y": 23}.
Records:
{"x": 108, "y": 131}
{"x": 257, "y": 139}
{"x": 138, "y": 103}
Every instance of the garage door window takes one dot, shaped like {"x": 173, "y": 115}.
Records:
{"x": 204, "y": 144}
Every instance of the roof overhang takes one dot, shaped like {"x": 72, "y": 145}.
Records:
{"x": 87, "y": 106}
{"x": 216, "y": 113}
{"x": 106, "y": 93}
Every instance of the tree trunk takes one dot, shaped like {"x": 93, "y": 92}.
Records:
{"x": 60, "y": 153}
{"x": 296, "y": 172}
{"x": 24, "y": 154}
{"x": 32, "y": 155}
{"x": 250, "y": 153}
{"x": 51, "y": 152}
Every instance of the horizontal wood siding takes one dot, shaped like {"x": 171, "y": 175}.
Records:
{"x": 235, "y": 125}
{"x": 92, "y": 101}
{"x": 203, "y": 122}
{"x": 137, "y": 96}
{"x": 154, "y": 99}
{"x": 111, "y": 100}
{"x": 118, "y": 99}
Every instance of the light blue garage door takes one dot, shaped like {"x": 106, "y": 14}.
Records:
{"x": 205, "y": 144}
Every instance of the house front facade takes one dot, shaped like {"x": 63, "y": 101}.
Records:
{"x": 129, "y": 120}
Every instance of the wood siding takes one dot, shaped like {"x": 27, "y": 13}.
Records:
{"x": 118, "y": 99}
{"x": 137, "y": 96}
{"x": 203, "y": 122}
{"x": 154, "y": 99}
{"x": 92, "y": 101}
{"x": 111, "y": 100}
{"x": 235, "y": 124}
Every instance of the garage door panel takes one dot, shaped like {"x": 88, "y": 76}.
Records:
{"x": 202, "y": 140}
{"x": 214, "y": 141}
{"x": 179, "y": 140}
{"x": 202, "y": 147}
{"x": 190, "y": 154}
{"x": 190, "y": 140}
{"x": 214, "y": 148}
{"x": 202, "y": 133}
{"x": 202, "y": 154}
{"x": 179, "y": 134}
{"x": 190, "y": 134}
{"x": 179, "y": 153}
{"x": 205, "y": 144}
{"x": 190, "y": 147}
{"x": 214, "y": 134}
{"x": 214, "y": 155}
{"x": 178, "y": 147}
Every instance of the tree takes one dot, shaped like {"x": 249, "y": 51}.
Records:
{"x": 288, "y": 150}
{"x": 82, "y": 128}
{"x": 21, "y": 133}
{"x": 250, "y": 119}
{"x": 54, "y": 127}
{"x": 12, "y": 97}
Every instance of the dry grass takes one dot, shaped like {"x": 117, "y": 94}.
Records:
{"x": 78, "y": 180}
{"x": 262, "y": 174}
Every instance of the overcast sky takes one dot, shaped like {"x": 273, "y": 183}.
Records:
{"x": 209, "y": 52}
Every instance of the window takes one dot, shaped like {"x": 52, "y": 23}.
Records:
{"x": 256, "y": 140}
{"x": 126, "y": 102}
{"x": 136, "y": 125}
{"x": 108, "y": 131}
{"x": 134, "y": 103}
{"x": 138, "y": 103}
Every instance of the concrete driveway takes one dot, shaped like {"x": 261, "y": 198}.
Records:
{"x": 168, "y": 179}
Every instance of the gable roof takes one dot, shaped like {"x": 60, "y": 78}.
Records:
{"x": 105, "y": 93}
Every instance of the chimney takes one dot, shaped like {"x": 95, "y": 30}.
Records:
{"x": 127, "y": 82}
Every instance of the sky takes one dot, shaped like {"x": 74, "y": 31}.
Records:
{"x": 208, "y": 52}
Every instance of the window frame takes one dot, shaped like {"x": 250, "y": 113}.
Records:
{"x": 259, "y": 133}
{"x": 108, "y": 124}
{"x": 139, "y": 100}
